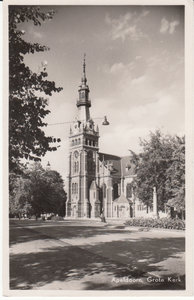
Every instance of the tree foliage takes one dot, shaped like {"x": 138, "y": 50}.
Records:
{"x": 161, "y": 164}
{"x": 175, "y": 176}
{"x": 19, "y": 203}
{"x": 37, "y": 191}
{"x": 27, "y": 108}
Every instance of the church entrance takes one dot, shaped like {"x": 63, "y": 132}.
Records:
{"x": 122, "y": 211}
{"x": 74, "y": 211}
{"x": 131, "y": 211}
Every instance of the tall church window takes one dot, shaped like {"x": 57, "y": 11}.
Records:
{"x": 76, "y": 188}
{"x": 72, "y": 142}
{"x": 115, "y": 191}
{"x": 90, "y": 161}
{"x": 128, "y": 190}
{"x": 77, "y": 167}
{"x": 79, "y": 141}
{"x": 73, "y": 188}
{"x": 104, "y": 190}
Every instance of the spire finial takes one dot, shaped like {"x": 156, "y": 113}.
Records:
{"x": 84, "y": 64}
{"x": 48, "y": 166}
{"x": 84, "y": 80}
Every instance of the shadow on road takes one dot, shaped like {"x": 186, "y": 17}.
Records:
{"x": 19, "y": 234}
{"x": 64, "y": 263}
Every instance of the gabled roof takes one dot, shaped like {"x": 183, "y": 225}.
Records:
{"x": 93, "y": 185}
{"x": 119, "y": 166}
{"x": 128, "y": 168}
{"x": 121, "y": 199}
{"x": 113, "y": 161}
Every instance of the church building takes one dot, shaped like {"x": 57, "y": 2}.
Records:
{"x": 98, "y": 183}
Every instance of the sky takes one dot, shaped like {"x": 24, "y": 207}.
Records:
{"x": 134, "y": 67}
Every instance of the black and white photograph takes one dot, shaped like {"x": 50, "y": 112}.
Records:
{"x": 96, "y": 149}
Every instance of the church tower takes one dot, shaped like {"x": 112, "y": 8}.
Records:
{"x": 83, "y": 196}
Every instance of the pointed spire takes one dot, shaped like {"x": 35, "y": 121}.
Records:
{"x": 84, "y": 79}
{"x": 48, "y": 166}
{"x": 84, "y": 64}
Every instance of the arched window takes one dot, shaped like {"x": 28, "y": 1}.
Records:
{"x": 73, "y": 188}
{"x": 77, "y": 166}
{"x": 90, "y": 143}
{"x": 75, "y": 141}
{"x": 104, "y": 190}
{"x": 79, "y": 141}
{"x": 115, "y": 190}
{"x": 76, "y": 188}
{"x": 94, "y": 143}
{"x": 86, "y": 142}
{"x": 72, "y": 142}
{"x": 128, "y": 190}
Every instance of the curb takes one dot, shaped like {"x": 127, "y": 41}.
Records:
{"x": 137, "y": 228}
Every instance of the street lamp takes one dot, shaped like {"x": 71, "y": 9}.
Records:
{"x": 105, "y": 122}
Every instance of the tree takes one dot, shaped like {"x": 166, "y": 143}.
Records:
{"x": 19, "y": 203}
{"x": 175, "y": 177}
{"x": 39, "y": 191}
{"x": 27, "y": 108}
{"x": 154, "y": 169}
{"x": 47, "y": 191}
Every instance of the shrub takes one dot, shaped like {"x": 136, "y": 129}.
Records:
{"x": 157, "y": 223}
{"x": 56, "y": 218}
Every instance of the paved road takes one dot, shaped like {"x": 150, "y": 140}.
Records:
{"x": 89, "y": 255}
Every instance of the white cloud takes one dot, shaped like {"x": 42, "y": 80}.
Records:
{"x": 128, "y": 124}
{"x": 126, "y": 26}
{"x": 158, "y": 113}
{"x": 138, "y": 80}
{"x": 172, "y": 26}
{"x": 144, "y": 13}
{"x": 164, "y": 26}
{"x": 168, "y": 27}
{"x": 35, "y": 34}
{"x": 120, "y": 68}
{"x": 117, "y": 67}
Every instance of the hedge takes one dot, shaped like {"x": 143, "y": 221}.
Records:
{"x": 167, "y": 223}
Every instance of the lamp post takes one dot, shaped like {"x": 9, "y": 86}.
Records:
{"x": 103, "y": 202}
{"x": 155, "y": 209}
